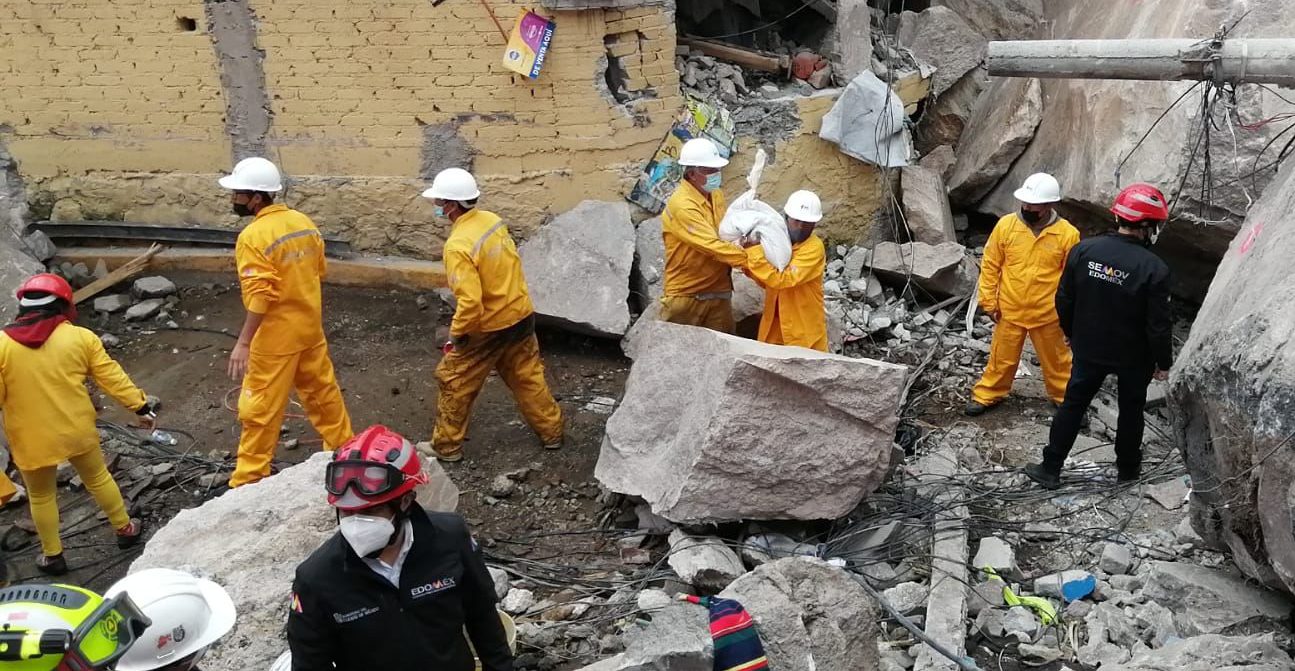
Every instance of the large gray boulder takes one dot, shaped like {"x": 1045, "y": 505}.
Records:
{"x": 1211, "y": 653}
{"x": 1205, "y": 601}
{"x": 998, "y": 19}
{"x": 1232, "y": 392}
{"x": 578, "y": 268}
{"x": 939, "y": 37}
{"x": 706, "y": 413}
{"x": 250, "y": 540}
{"x": 943, "y": 270}
{"x": 810, "y": 616}
{"x": 1091, "y": 125}
{"x": 1000, "y": 129}
{"x": 926, "y": 206}
{"x": 707, "y": 563}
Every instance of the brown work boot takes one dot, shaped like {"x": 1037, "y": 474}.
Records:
{"x": 131, "y": 534}
{"x": 55, "y": 565}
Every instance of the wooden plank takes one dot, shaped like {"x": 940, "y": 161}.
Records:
{"x": 126, "y": 271}
{"x": 747, "y": 58}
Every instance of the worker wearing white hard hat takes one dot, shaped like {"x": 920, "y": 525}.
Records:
{"x": 794, "y": 313}
{"x": 493, "y": 328}
{"x": 1019, "y": 275}
{"x": 281, "y": 347}
{"x": 188, "y": 615}
{"x": 698, "y": 264}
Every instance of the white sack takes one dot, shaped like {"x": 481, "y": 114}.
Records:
{"x": 749, "y": 217}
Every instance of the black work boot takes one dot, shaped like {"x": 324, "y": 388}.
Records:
{"x": 1044, "y": 477}
{"x": 55, "y": 565}
{"x": 975, "y": 409}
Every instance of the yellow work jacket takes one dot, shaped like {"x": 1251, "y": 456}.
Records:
{"x": 696, "y": 260}
{"x": 1020, "y": 272}
{"x": 793, "y": 299}
{"x": 280, "y": 257}
{"x": 485, "y": 274}
{"x": 48, "y": 414}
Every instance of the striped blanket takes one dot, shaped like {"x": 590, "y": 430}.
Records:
{"x": 737, "y": 644}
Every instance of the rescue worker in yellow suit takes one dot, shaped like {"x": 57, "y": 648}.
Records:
{"x": 280, "y": 257}
{"x": 1019, "y": 275}
{"x": 493, "y": 328}
{"x": 49, "y": 417}
{"x": 698, "y": 264}
{"x": 794, "y": 313}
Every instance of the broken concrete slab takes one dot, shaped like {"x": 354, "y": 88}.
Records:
{"x": 38, "y": 244}
{"x": 787, "y": 600}
{"x": 112, "y": 304}
{"x": 577, "y": 268}
{"x": 940, "y": 37}
{"x": 1205, "y": 601}
{"x": 946, "y": 611}
{"x": 724, "y": 426}
{"x": 1117, "y": 559}
{"x": 1170, "y": 494}
{"x": 926, "y": 206}
{"x": 997, "y": 554}
{"x": 153, "y": 287}
{"x": 868, "y": 122}
{"x": 517, "y": 601}
{"x": 907, "y": 597}
{"x": 677, "y": 639}
{"x": 999, "y": 130}
{"x": 1212, "y": 653}
{"x": 226, "y": 540}
{"x": 943, "y": 270}
{"x": 706, "y": 563}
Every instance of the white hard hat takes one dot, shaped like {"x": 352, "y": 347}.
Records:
{"x": 188, "y": 615}
{"x": 804, "y": 206}
{"x": 702, "y": 153}
{"x": 283, "y": 663}
{"x": 453, "y": 184}
{"x": 253, "y": 174}
{"x": 1038, "y": 189}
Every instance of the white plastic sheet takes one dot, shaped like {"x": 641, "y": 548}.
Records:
{"x": 749, "y": 217}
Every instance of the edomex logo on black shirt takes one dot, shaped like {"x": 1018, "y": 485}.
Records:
{"x": 1107, "y": 273}
{"x": 432, "y": 587}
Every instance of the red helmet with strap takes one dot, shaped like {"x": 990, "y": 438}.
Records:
{"x": 45, "y": 283}
{"x": 376, "y": 466}
{"x": 1140, "y": 202}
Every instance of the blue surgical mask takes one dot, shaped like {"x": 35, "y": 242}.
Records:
{"x": 714, "y": 181}
{"x": 438, "y": 211}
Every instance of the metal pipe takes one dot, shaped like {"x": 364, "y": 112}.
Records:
{"x": 1255, "y": 61}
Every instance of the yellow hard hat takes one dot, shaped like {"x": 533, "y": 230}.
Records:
{"x": 41, "y": 624}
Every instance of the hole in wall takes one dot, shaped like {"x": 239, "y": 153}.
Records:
{"x": 186, "y": 25}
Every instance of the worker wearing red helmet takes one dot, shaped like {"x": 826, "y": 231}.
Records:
{"x": 48, "y": 415}
{"x": 1113, "y": 302}
{"x": 397, "y": 586}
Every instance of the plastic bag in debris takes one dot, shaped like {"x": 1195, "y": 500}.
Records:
{"x": 749, "y": 217}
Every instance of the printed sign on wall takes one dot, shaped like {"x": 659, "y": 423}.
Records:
{"x": 529, "y": 45}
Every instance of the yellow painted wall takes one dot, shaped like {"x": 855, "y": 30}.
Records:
{"x": 113, "y": 111}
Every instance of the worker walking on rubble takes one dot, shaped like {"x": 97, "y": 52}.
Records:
{"x": 49, "y": 417}
{"x": 493, "y": 328}
{"x": 698, "y": 264}
{"x": 397, "y": 587}
{"x": 1023, "y": 260}
{"x": 1113, "y": 303}
{"x": 794, "y": 313}
{"x": 280, "y": 257}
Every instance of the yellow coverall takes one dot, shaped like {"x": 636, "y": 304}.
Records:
{"x": 1018, "y": 279}
{"x": 698, "y": 277}
{"x": 280, "y": 258}
{"x": 494, "y": 322}
{"x": 793, "y": 300}
{"x": 49, "y": 419}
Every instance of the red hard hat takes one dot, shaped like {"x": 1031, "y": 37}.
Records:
{"x": 1140, "y": 202}
{"x": 46, "y": 283}
{"x": 376, "y": 466}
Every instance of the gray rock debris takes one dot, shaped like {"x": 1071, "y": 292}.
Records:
{"x": 500, "y": 579}
{"x": 1205, "y": 601}
{"x": 677, "y": 639}
{"x": 1211, "y": 653}
{"x": 724, "y": 426}
{"x": 907, "y": 597}
{"x": 112, "y": 303}
{"x": 153, "y": 287}
{"x": 940, "y": 37}
{"x": 704, "y": 562}
{"x": 997, "y": 554}
{"x": 1116, "y": 559}
{"x": 577, "y": 268}
{"x": 926, "y": 206}
{"x": 40, "y": 246}
{"x": 789, "y": 601}
{"x": 144, "y": 310}
{"x": 1000, "y": 128}
{"x": 943, "y": 270}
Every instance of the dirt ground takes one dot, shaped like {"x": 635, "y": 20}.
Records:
{"x": 383, "y": 346}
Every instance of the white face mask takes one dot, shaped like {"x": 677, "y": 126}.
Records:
{"x": 367, "y": 534}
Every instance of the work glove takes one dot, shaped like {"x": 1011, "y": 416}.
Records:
{"x": 150, "y": 407}
{"x": 459, "y": 341}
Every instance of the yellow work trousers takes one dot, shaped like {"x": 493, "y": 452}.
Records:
{"x": 515, "y": 354}
{"x": 1005, "y": 355}
{"x": 267, "y": 386}
{"x": 7, "y": 488}
{"x": 42, "y": 495}
{"x": 715, "y": 314}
